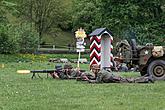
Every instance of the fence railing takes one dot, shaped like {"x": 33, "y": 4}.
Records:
{"x": 58, "y": 49}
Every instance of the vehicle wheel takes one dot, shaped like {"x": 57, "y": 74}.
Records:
{"x": 157, "y": 69}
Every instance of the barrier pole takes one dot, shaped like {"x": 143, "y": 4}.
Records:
{"x": 78, "y": 62}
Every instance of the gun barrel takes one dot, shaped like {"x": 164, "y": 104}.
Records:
{"x": 42, "y": 71}
{"x": 82, "y": 71}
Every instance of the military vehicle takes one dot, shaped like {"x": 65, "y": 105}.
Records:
{"x": 149, "y": 59}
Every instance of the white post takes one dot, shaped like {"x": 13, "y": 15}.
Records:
{"x": 53, "y": 47}
{"x": 78, "y": 62}
{"x": 38, "y": 46}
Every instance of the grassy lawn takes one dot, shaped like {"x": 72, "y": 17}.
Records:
{"x": 20, "y": 92}
{"x": 59, "y": 39}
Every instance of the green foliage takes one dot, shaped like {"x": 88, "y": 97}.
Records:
{"x": 5, "y": 44}
{"x": 28, "y": 38}
{"x": 15, "y": 39}
{"x": 143, "y": 18}
{"x": 48, "y": 16}
{"x": 6, "y": 6}
{"x": 8, "y": 42}
{"x": 86, "y": 14}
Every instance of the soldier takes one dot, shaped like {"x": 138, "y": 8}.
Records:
{"x": 90, "y": 75}
{"x": 78, "y": 74}
{"x": 120, "y": 66}
{"x": 105, "y": 76}
{"x": 57, "y": 72}
{"x": 69, "y": 72}
{"x": 66, "y": 73}
{"x": 62, "y": 73}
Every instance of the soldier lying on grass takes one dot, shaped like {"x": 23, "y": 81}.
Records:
{"x": 96, "y": 75}
{"x": 66, "y": 73}
{"x": 105, "y": 76}
{"x": 69, "y": 73}
{"x": 78, "y": 74}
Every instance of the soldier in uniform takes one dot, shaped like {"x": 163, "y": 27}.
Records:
{"x": 66, "y": 73}
{"x": 120, "y": 65}
{"x": 57, "y": 72}
{"x": 105, "y": 76}
{"x": 89, "y": 75}
{"x": 63, "y": 73}
{"x": 70, "y": 72}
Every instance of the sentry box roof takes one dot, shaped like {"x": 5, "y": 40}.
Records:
{"x": 100, "y": 31}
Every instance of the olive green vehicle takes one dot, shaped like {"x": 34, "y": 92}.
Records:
{"x": 149, "y": 59}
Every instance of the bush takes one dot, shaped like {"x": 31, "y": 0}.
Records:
{"x": 14, "y": 39}
{"x": 8, "y": 42}
{"x": 28, "y": 39}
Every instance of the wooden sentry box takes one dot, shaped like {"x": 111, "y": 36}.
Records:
{"x": 101, "y": 48}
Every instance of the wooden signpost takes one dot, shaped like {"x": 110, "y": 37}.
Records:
{"x": 80, "y": 45}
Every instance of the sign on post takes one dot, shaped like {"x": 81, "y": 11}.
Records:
{"x": 80, "y": 45}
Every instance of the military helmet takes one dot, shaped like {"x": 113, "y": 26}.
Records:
{"x": 95, "y": 66}
{"x": 68, "y": 66}
{"x": 58, "y": 67}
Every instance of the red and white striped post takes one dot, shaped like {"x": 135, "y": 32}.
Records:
{"x": 101, "y": 48}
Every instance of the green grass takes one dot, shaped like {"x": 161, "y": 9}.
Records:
{"x": 38, "y": 58}
{"x": 20, "y": 92}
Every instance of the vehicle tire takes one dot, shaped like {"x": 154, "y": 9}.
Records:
{"x": 157, "y": 69}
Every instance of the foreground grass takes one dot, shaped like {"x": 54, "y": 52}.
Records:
{"x": 19, "y": 92}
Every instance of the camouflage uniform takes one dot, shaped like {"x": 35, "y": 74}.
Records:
{"x": 86, "y": 76}
{"x": 105, "y": 76}
{"x": 90, "y": 75}
{"x": 75, "y": 73}
{"x": 58, "y": 70}
{"x": 68, "y": 72}
{"x": 63, "y": 75}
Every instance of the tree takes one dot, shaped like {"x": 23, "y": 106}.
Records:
{"x": 17, "y": 38}
{"x": 46, "y": 15}
{"x": 123, "y": 17}
{"x": 28, "y": 39}
{"x": 6, "y": 7}
{"x": 86, "y": 14}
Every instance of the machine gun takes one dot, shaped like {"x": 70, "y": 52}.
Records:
{"x": 34, "y": 72}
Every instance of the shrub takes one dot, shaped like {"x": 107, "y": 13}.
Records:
{"x": 8, "y": 42}
{"x": 28, "y": 39}
{"x": 14, "y": 39}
